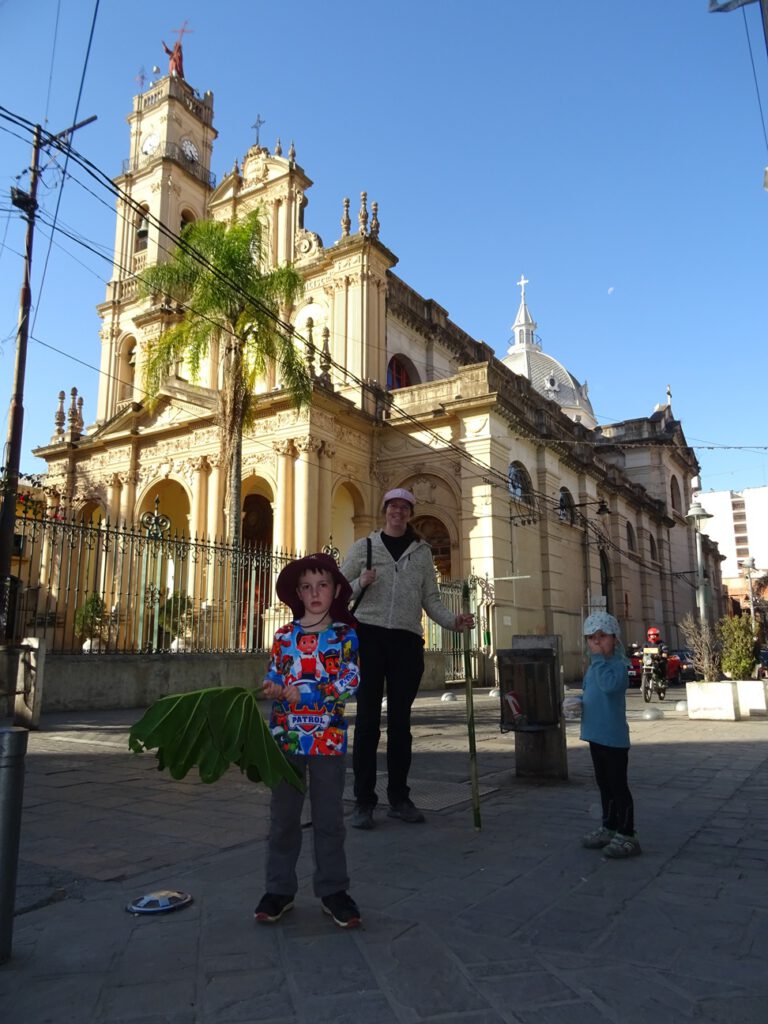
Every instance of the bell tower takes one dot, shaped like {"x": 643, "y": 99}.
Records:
{"x": 165, "y": 184}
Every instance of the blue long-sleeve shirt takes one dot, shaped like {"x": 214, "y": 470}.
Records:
{"x": 604, "y": 705}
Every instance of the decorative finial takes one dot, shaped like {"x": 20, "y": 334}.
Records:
{"x": 61, "y": 417}
{"x": 521, "y": 284}
{"x": 80, "y": 423}
{"x": 362, "y": 217}
{"x": 278, "y": 147}
{"x": 292, "y": 153}
{"x": 325, "y": 359}
{"x": 669, "y": 395}
{"x": 257, "y": 124}
{"x": 375, "y": 220}
{"x": 345, "y": 221}
{"x": 72, "y": 415}
{"x": 310, "y": 347}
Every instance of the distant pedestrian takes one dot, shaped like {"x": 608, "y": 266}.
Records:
{"x": 604, "y": 727}
{"x": 313, "y": 671}
{"x": 394, "y": 572}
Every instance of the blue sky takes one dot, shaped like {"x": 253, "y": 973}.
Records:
{"x": 612, "y": 151}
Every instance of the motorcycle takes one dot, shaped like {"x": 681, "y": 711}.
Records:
{"x": 654, "y": 674}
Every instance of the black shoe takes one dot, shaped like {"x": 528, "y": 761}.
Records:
{"x": 406, "y": 810}
{"x": 342, "y": 909}
{"x": 272, "y": 907}
{"x": 361, "y": 817}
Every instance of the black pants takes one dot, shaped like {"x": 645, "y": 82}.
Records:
{"x": 610, "y": 765}
{"x": 394, "y": 656}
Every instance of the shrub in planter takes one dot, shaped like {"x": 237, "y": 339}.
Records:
{"x": 737, "y": 644}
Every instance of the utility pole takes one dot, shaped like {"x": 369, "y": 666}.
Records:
{"x": 27, "y": 202}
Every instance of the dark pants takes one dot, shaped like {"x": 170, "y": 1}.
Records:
{"x": 610, "y": 765}
{"x": 394, "y": 656}
{"x": 326, "y": 798}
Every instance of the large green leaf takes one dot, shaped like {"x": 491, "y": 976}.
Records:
{"x": 212, "y": 729}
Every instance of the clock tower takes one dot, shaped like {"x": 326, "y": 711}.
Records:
{"x": 165, "y": 184}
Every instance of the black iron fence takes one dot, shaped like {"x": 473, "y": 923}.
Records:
{"x": 95, "y": 587}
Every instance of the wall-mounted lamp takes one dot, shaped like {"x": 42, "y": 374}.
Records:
{"x": 564, "y": 507}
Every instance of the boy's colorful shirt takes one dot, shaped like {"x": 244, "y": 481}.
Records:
{"x": 324, "y": 666}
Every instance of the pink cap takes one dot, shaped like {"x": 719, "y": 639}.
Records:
{"x": 398, "y": 494}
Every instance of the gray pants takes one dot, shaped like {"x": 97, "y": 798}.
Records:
{"x": 326, "y": 792}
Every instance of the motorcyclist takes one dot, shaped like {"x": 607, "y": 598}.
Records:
{"x": 655, "y": 654}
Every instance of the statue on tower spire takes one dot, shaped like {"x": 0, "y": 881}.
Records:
{"x": 175, "y": 56}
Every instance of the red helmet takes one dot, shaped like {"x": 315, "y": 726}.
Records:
{"x": 653, "y": 635}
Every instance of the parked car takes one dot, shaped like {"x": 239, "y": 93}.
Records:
{"x": 674, "y": 668}
{"x": 686, "y": 672}
{"x": 635, "y": 665}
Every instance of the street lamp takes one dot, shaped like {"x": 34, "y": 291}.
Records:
{"x": 748, "y": 565}
{"x": 697, "y": 514}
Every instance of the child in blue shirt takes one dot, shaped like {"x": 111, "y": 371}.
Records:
{"x": 313, "y": 671}
{"x": 604, "y": 727}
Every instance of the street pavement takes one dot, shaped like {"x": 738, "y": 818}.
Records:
{"x": 514, "y": 922}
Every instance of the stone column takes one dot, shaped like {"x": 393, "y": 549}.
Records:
{"x": 283, "y": 509}
{"x": 127, "y": 498}
{"x": 214, "y": 516}
{"x": 200, "y": 471}
{"x": 306, "y": 496}
{"x": 114, "y": 487}
{"x": 325, "y": 494}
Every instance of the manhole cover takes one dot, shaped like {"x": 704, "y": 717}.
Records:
{"x": 159, "y": 902}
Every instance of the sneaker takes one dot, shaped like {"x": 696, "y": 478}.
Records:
{"x": 361, "y": 817}
{"x": 622, "y": 846}
{"x": 272, "y": 907}
{"x": 598, "y": 839}
{"x": 406, "y": 810}
{"x": 342, "y": 909}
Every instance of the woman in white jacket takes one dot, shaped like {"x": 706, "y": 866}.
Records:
{"x": 393, "y": 591}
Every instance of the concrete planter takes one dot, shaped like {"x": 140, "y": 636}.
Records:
{"x": 727, "y": 700}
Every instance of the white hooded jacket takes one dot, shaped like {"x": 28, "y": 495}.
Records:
{"x": 401, "y": 589}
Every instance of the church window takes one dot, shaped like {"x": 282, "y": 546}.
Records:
{"x": 520, "y": 487}
{"x": 566, "y": 510}
{"x": 653, "y": 547}
{"x": 187, "y": 218}
{"x": 675, "y": 495}
{"x": 631, "y": 542}
{"x": 400, "y": 374}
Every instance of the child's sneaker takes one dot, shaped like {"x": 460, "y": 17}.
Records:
{"x": 342, "y": 909}
{"x": 598, "y": 839}
{"x": 272, "y": 907}
{"x": 622, "y": 846}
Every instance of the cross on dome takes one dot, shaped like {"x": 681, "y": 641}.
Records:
{"x": 521, "y": 284}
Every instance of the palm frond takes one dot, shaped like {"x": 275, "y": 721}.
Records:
{"x": 213, "y": 729}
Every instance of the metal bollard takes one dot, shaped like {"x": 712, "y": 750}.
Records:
{"x": 13, "y": 748}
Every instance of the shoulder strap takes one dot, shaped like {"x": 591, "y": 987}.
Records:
{"x": 368, "y": 563}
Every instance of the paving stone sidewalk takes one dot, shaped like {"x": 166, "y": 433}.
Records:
{"x": 512, "y": 923}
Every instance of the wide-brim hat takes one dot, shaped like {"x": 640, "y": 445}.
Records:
{"x": 288, "y": 583}
{"x": 398, "y": 494}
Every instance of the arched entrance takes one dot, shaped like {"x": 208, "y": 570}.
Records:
{"x": 436, "y": 535}
{"x": 256, "y": 575}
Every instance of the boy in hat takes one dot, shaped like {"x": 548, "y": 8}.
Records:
{"x": 313, "y": 671}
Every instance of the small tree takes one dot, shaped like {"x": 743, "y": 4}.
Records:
{"x": 92, "y": 621}
{"x": 738, "y": 646}
{"x": 705, "y": 647}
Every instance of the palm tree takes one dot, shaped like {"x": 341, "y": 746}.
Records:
{"x": 232, "y": 306}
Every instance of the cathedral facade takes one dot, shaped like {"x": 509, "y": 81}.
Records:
{"x": 518, "y": 488}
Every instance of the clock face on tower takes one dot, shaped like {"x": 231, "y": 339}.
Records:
{"x": 150, "y": 144}
{"x": 189, "y": 149}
